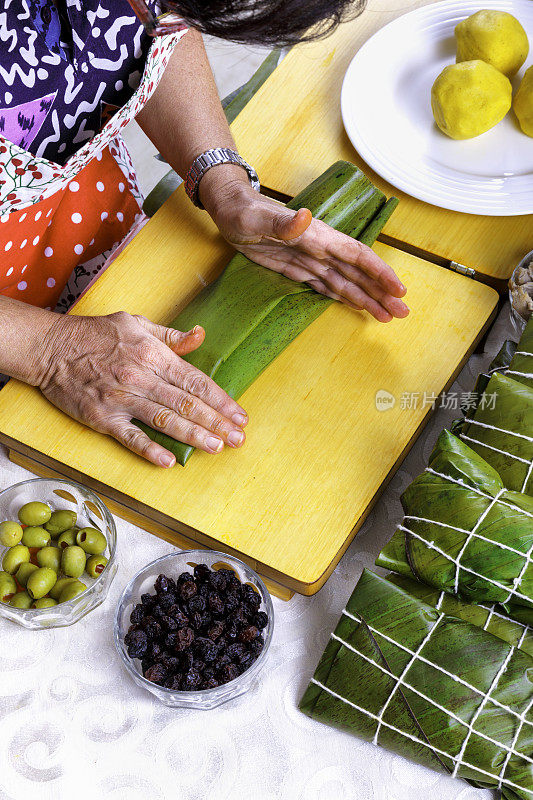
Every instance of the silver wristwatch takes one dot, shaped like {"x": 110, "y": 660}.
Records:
{"x": 211, "y": 158}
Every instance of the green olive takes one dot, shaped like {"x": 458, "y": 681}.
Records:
{"x": 21, "y": 600}
{"x": 40, "y": 582}
{"x": 73, "y": 561}
{"x": 49, "y": 557}
{"x": 35, "y": 537}
{"x": 92, "y": 541}
{"x": 44, "y": 602}
{"x": 8, "y": 586}
{"x": 59, "y": 586}
{"x": 24, "y": 572}
{"x": 71, "y": 591}
{"x": 10, "y": 533}
{"x": 95, "y": 565}
{"x": 14, "y": 557}
{"x": 35, "y": 513}
{"x": 60, "y": 521}
{"x": 67, "y": 538}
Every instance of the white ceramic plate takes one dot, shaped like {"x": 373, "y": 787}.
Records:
{"x": 386, "y": 111}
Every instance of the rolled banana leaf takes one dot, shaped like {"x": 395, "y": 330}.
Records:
{"x": 251, "y": 314}
{"x": 521, "y": 366}
{"x": 501, "y": 430}
{"x": 491, "y": 618}
{"x": 464, "y": 532}
{"x": 433, "y": 688}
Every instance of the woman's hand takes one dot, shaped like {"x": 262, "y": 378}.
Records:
{"x": 105, "y": 370}
{"x": 300, "y": 247}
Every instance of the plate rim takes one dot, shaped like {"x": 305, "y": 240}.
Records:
{"x": 457, "y": 203}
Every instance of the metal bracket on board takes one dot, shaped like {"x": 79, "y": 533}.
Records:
{"x": 468, "y": 271}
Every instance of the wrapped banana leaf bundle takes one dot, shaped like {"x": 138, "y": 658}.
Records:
{"x": 464, "y": 532}
{"x": 501, "y": 428}
{"x": 491, "y": 618}
{"x": 435, "y": 688}
{"x": 251, "y": 314}
{"x": 521, "y": 366}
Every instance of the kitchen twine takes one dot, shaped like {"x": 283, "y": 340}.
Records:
{"x": 508, "y": 433}
{"x": 401, "y": 681}
{"x": 527, "y": 556}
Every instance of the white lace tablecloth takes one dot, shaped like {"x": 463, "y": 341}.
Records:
{"x": 73, "y": 724}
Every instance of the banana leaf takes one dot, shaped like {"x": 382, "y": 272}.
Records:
{"x": 501, "y": 429}
{"x": 251, "y": 314}
{"x": 521, "y": 366}
{"x": 491, "y": 618}
{"x": 433, "y": 688}
{"x": 463, "y": 532}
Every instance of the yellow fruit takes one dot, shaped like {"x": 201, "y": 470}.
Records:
{"x": 469, "y": 98}
{"x": 495, "y": 37}
{"x": 523, "y": 102}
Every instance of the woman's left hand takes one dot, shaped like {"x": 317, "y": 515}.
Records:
{"x": 303, "y": 248}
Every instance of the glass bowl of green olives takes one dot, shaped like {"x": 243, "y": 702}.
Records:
{"x": 57, "y": 552}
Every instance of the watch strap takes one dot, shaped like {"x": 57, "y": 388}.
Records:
{"x": 212, "y": 158}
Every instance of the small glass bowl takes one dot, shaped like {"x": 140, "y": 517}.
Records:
{"x": 172, "y": 566}
{"x": 61, "y": 494}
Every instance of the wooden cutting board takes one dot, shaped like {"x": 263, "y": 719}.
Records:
{"x": 318, "y": 450}
{"x": 292, "y": 130}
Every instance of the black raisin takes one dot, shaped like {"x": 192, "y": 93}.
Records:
{"x": 250, "y": 596}
{"x": 152, "y": 628}
{"x": 156, "y": 651}
{"x": 177, "y": 682}
{"x": 183, "y": 578}
{"x": 260, "y": 620}
{"x": 179, "y": 616}
{"x": 201, "y": 572}
{"x": 148, "y": 600}
{"x": 169, "y": 624}
{"x": 257, "y": 645}
{"x": 204, "y": 589}
{"x": 218, "y": 581}
{"x": 191, "y": 680}
{"x": 137, "y": 615}
{"x": 206, "y": 649}
{"x": 186, "y": 660}
{"x": 156, "y": 674}
{"x": 232, "y": 603}
{"x": 172, "y": 663}
{"x": 248, "y": 634}
{"x": 196, "y": 604}
{"x": 138, "y": 644}
{"x": 224, "y": 660}
{"x": 164, "y": 584}
{"x": 187, "y": 590}
{"x": 210, "y": 683}
{"x": 228, "y": 673}
{"x": 185, "y": 638}
{"x": 236, "y": 651}
{"x": 195, "y": 620}
{"x": 215, "y": 604}
{"x": 216, "y": 631}
{"x": 246, "y": 662}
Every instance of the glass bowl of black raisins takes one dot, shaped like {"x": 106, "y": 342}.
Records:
{"x": 194, "y": 628}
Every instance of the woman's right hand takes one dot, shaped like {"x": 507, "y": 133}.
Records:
{"x": 104, "y": 371}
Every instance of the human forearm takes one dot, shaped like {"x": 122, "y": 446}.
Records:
{"x": 184, "y": 118}
{"x": 23, "y": 331}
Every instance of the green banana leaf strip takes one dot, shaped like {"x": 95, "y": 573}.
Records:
{"x": 514, "y": 360}
{"x": 251, "y": 314}
{"x": 432, "y": 687}
{"x": 489, "y": 617}
{"x": 463, "y": 532}
{"x": 521, "y": 366}
{"x": 501, "y": 430}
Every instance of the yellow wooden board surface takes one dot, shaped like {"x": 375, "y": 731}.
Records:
{"x": 292, "y": 130}
{"x": 317, "y": 450}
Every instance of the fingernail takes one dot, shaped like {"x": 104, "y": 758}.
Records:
{"x": 240, "y": 419}
{"x": 236, "y": 438}
{"x": 215, "y": 444}
{"x": 166, "y": 461}
{"x": 195, "y": 330}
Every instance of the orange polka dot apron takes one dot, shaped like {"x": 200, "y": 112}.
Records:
{"x": 59, "y": 224}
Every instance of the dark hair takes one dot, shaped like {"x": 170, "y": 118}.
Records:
{"x": 278, "y": 23}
